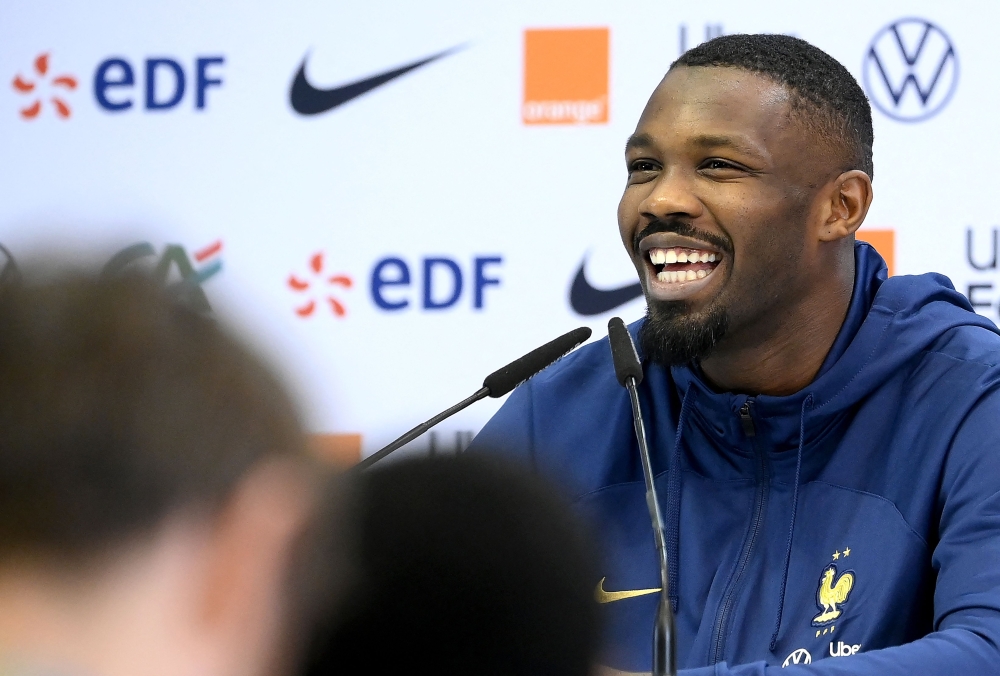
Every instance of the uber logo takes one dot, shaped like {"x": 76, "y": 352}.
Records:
{"x": 165, "y": 82}
{"x": 843, "y": 650}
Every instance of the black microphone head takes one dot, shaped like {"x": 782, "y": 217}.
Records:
{"x": 623, "y": 352}
{"x": 505, "y": 379}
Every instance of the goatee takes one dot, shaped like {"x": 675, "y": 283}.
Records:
{"x": 671, "y": 336}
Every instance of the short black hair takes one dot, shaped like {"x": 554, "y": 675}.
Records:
{"x": 467, "y": 565}
{"x": 119, "y": 407}
{"x": 829, "y": 98}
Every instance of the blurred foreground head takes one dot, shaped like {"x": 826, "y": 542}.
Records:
{"x": 467, "y": 566}
{"x": 152, "y": 493}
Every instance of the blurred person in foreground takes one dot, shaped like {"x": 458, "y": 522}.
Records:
{"x": 465, "y": 566}
{"x": 153, "y": 496}
{"x": 826, "y": 438}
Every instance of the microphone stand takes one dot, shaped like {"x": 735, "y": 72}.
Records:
{"x": 664, "y": 650}
{"x": 628, "y": 371}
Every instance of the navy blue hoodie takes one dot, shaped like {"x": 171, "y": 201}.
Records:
{"x": 853, "y": 526}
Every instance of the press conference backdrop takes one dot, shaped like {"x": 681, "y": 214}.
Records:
{"x": 395, "y": 198}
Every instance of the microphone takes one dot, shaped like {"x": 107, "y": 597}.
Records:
{"x": 496, "y": 384}
{"x": 628, "y": 370}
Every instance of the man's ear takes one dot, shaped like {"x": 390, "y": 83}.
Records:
{"x": 847, "y": 201}
{"x": 244, "y": 589}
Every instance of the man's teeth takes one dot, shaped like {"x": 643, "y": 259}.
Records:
{"x": 681, "y": 275}
{"x": 681, "y": 256}
{"x": 670, "y": 256}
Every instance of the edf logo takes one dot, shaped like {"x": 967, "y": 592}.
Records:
{"x": 164, "y": 82}
{"x": 441, "y": 284}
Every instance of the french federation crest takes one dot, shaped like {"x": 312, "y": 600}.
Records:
{"x": 833, "y": 592}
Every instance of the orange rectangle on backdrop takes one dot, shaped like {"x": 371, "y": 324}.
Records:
{"x": 884, "y": 242}
{"x": 337, "y": 449}
{"x": 565, "y": 76}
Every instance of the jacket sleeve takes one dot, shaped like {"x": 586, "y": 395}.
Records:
{"x": 966, "y": 559}
{"x": 510, "y": 432}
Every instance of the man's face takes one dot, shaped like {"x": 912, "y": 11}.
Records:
{"x": 715, "y": 212}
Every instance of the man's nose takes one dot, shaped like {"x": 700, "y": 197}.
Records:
{"x": 673, "y": 194}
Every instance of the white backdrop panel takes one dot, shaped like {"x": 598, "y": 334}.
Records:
{"x": 434, "y": 164}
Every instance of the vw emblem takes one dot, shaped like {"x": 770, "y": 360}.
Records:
{"x": 910, "y": 70}
{"x": 800, "y": 656}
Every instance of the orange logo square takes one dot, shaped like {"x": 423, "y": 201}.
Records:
{"x": 565, "y": 76}
{"x": 343, "y": 450}
{"x": 884, "y": 242}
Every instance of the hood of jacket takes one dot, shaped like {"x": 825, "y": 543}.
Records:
{"x": 890, "y": 321}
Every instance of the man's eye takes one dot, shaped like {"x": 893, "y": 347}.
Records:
{"x": 641, "y": 165}
{"x": 718, "y": 164}
{"x": 723, "y": 168}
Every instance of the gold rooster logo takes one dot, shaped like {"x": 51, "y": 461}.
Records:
{"x": 833, "y": 591}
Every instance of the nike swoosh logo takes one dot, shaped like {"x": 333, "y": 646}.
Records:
{"x": 602, "y": 596}
{"x": 308, "y": 100}
{"x": 587, "y": 301}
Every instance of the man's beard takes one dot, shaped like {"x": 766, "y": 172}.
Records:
{"x": 672, "y": 337}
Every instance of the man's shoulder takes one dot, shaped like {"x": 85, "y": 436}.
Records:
{"x": 927, "y": 313}
{"x": 971, "y": 343}
{"x": 920, "y": 328}
{"x": 954, "y": 376}
{"x": 579, "y": 391}
{"x": 570, "y": 421}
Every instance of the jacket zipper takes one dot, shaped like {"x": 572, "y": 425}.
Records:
{"x": 722, "y": 617}
{"x": 747, "y": 420}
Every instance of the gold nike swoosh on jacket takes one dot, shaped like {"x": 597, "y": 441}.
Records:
{"x": 602, "y": 596}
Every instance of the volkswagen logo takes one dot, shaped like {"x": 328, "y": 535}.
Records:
{"x": 910, "y": 70}
{"x": 800, "y": 656}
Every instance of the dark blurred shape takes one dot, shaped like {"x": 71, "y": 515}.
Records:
{"x": 467, "y": 565}
{"x": 121, "y": 407}
{"x": 150, "y": 462}
{"x": 118, "y": 405}
{"x": 9, "y": 272}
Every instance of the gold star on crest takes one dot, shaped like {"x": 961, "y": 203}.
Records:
{"x": 847, "y": 551}
{"x": 836, "y": 555}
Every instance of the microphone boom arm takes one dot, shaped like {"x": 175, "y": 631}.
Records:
{"x": 482, "y": 393}
{"x": 496, "y": 384}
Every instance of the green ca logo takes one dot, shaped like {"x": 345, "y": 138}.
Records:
{"x": 174, "y": 269}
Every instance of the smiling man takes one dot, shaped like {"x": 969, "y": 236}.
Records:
{"x": 825, "y": 440}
